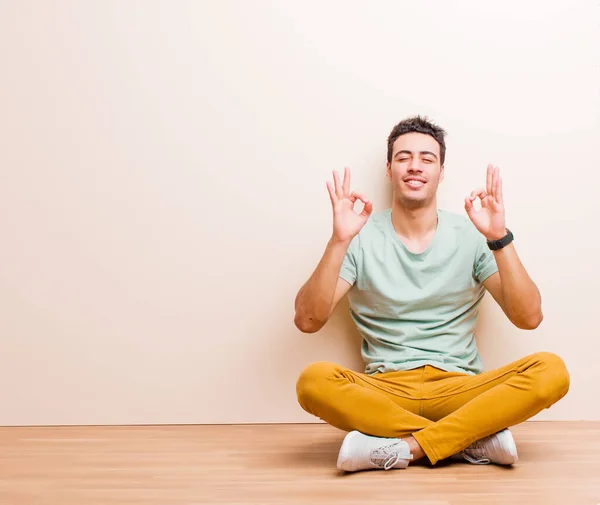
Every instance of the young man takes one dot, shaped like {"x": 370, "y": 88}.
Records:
{"x": 415, "y": 276}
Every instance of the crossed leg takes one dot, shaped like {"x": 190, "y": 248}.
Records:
{"x": 444, "y": 412}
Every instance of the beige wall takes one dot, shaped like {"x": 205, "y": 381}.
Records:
{"x": 162, "y": 179}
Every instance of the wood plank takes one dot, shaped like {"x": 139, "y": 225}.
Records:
{"x": 275, "y": 464}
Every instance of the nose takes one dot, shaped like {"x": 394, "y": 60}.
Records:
{"x": 415, "y": 165}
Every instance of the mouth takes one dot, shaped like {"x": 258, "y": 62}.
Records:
{"x": 415, "y": 182}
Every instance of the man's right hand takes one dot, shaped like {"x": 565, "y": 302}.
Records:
{"x": 346, "y": 222}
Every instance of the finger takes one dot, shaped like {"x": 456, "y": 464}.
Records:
{"x": 355, "y": 195}
{"x": 367, "y": 209}
{"x": 331, "y": 192}
{"x": 469, "y": 206}
{"x": 337, "y": 184}
{"x": 494, "y": 179}
{"x": 499, "y": 198}
{"x": 346, "y": 185}
{"x": 478, "y": 193}
{"x": 488, "y": 179}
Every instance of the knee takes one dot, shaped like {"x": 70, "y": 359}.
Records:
{"x": 554, "y": 381}
{"x": 312, "y": 382}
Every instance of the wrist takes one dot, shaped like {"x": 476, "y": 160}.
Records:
{"x": 496, "y": 236}
{"x": 338, "y": 242}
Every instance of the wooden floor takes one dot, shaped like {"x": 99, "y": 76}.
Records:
{"x": 276, "y": 464}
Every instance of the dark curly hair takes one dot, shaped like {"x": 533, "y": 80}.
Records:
{"x": 417, "y": 124}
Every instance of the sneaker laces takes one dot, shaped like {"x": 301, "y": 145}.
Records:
{"x": 387, "y": 456}
{"x": 476, "y": 454}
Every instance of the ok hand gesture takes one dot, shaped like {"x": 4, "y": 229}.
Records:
{"x": 346, "y": 222}
{"x": 489, "y": 220}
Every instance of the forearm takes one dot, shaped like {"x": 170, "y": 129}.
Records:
{"x": 314, "y": 300}
{"x": 522, "y": 300}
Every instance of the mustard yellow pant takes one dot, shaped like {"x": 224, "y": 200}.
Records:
{"x": 444, "y": 411}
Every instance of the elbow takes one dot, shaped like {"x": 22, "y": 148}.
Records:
{"x": 531, "y": 322}
{"x": 307, "y": 324}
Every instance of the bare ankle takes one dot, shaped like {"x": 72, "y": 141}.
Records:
{"x": 415, "y": 448}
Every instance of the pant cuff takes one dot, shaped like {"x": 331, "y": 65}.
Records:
{"x": 426, "y": 446}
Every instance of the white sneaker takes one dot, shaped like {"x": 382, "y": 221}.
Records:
{"x": 362, "y": 452}
{"x": 499, "y": 448}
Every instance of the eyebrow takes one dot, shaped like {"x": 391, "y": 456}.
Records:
{"x": 419, "y": 152}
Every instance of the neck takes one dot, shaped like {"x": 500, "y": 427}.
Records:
{"x": 414, "y": 224}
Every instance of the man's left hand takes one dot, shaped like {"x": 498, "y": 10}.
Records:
{"x": 489, "y": 220}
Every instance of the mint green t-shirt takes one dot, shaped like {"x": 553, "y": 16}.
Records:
{"x": 418, "y": 309}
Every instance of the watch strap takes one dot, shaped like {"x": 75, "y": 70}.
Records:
{"x": 495, "y": 245}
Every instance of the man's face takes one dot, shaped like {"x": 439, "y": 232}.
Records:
{"x": 415, "y": 170}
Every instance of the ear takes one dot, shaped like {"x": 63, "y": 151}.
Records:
{"x": 388, "y": 171}
{"x": 441, "y": 173}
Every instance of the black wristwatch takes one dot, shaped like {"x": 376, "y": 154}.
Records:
{"x": 495, "y": 245}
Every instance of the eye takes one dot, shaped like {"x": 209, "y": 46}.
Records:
{"x": 404, "y": 158}
{"x": 428, "y": 160}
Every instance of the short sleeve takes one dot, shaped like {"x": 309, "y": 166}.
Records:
{"x": 485, "y": 262}
{"x": 349, "y": 270}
